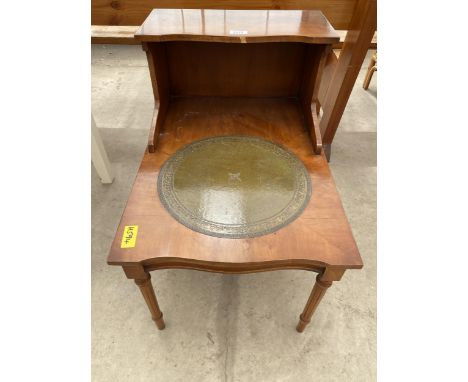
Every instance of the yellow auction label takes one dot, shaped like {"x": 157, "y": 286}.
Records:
{"x": 129, "y": 236}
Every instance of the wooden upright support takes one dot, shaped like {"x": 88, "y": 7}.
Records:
{"x": 356, "y": 45}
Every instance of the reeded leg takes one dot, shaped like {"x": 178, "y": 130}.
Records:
{"x": 316, "y": 295}
{"x": 147, "y": 291}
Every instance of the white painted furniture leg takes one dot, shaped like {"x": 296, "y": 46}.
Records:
{"x": 99, "y": 155}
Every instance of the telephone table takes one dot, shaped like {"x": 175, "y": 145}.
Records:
{"x": 247, "y": 80}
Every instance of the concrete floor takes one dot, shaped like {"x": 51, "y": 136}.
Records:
{"x": 224, "y": 327}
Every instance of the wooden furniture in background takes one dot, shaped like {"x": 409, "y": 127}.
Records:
{"x": 236, "y": 77}
{"x": 356, "y": 18}
{"x": 134, "y": 12}
{"x": 370, "y": 71}
{"x": 99, "y": 155}
{"x": 346, "y": 69}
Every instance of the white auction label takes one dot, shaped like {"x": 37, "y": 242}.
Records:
{"x": 238, "y": 32}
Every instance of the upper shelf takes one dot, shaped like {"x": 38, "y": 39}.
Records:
{"x": 237, "y": 26}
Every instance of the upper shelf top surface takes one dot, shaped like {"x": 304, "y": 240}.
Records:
{"x": 243, "y": 26}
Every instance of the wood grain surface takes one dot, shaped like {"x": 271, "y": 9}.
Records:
{"x": 134, "y": 12}
{"x": 320, "y": 238}
{"x": 211, "y": 25}
{"x": 124, "y": 34}
{"x": 248, "y": 70}
{"x": 358, "y": 38}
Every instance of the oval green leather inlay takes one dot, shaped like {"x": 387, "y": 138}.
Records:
{"x": 234, "y": 186}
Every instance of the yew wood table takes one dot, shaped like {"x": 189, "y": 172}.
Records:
{"x": 235, "y": 74}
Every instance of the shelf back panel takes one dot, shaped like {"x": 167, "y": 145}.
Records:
{"x": 235, "y": 70}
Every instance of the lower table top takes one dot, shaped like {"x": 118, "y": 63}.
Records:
{"x": 319, "y": 237}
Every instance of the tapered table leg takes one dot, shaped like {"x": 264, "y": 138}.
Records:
{"x": 316, "y": 295}
{"x": 147, "y": 291}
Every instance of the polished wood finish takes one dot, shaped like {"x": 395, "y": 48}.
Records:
{"x": 343, "y": 33}
{"x": 331, "y": 62}
{"x": 235, "y": 70}
{"x": 134, "y": 12}
{"x": 125, "y": 34}
{"x": 315, "y": 297}
{"x": 158, "y": 67}
{"x": 318, "y": 239}
{"x": 212, "y": 89}
{"x": 362, "y": 28}
{"x": 210, "y": 25}
{"x": 370, "y": 71}
{"x": 308, "y": 95}
{"x": 146, "y": 289}
{"x": 356, "y": 18}
{"x": 243, "y": 69}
